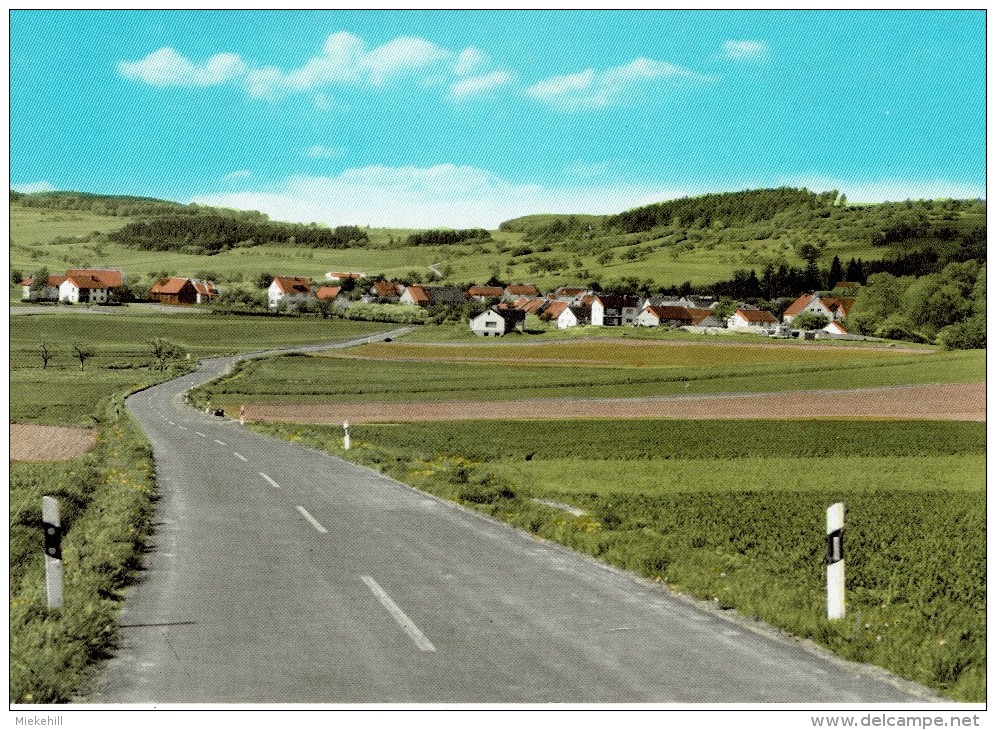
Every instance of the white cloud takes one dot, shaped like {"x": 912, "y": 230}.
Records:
{"x": 41, "y": 186}
{"x": 321, "y": 152}
{"x": 745, "y": 50}
{"x": 238, "y": 175}
{"x": 442, "y": 195}
{"x": 167, "y": 67}
{"x": 592, "y": 89}
{"x": 880, "y": 191}
{"x": 477, "y": 85}
{"x": 470, "y": 60}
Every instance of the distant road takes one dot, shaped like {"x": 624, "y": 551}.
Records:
{"x": 280, "y": 574}
{"x": 98, "y": 309}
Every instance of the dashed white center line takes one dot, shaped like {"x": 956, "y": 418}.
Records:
{"x": 220, "y": 443}
{"x": 182, "y": 428}
{"x": 272, "y": 483}
{"x": 237, "y": 455}
{"x": 202, "y": 435}
{"x": 314, "y": 523}
{"x": 398, "y": 615}
{"x": 170, "y": 423}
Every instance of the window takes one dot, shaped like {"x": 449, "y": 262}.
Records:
{"x": 491, "y": 325}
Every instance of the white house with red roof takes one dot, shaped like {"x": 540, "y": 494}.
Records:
{"x": 752, "y": 320}
{"x": 613, "y": 310}
{"x": 833, "y": 308}
{"x": 496, "y": 322}
{"x": 291, "y": 291}
{"x": 671, "y": 316}
{"x": 89, "y": 285}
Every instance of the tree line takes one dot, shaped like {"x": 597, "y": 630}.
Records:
{"x": 443, "y": 237}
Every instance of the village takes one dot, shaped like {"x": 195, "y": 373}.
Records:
{"x": 815, "y": 315}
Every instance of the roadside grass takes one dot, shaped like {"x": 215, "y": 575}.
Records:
{"x": 694, "y": 505}
{"x": 106, "y": 506}
{"x": 320, "y": 379}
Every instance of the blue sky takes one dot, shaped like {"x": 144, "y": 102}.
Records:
{"x": 468, "y": 118}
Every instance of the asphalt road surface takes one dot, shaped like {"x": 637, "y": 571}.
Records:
{"x": 280, "y": 574}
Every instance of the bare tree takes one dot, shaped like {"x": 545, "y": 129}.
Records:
{"x": 82, "y": 353}
{"x": 46, "y": 354}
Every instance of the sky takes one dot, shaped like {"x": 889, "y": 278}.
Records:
{"x": 469, "y": 118}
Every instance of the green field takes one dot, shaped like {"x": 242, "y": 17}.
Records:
{"x": 122, "y": 355}
{"x": 734, "y": 513}
{"x": 393, "y": 372}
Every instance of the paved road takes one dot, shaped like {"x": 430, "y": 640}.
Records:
{"x": 284, "y": 575}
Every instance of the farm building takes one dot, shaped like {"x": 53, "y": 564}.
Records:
{"x": 481, "y": 293}
{"x": 614, "y": 310}
{"x": 427, "y": 296}
{"x": 89, "y": 285}
{"x": 327, "y": 293}
{"x": 833, "y": 308}
{"x": 672, "y": 316}
{"x": 386, "y": 291}
{"x": 497, "y": 322}
{"x": 573, "y": 315}
{"x": 291, "y": 291}
{"x": 177, "y": 290}
{"x": 48, "y": 293}
{"x": 517, "y": 291}
{"x": 752, "y": 320}
{"x": 343, "y": 275}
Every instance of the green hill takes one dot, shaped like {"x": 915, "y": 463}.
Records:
{"x": 696, "y": 241}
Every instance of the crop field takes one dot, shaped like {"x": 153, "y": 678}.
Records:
{"x": 454, "y": 373}
{"x": 733, "y": 512}
{"x": 122, "y": 356}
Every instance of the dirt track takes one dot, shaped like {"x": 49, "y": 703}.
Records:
{"x": 958, "y": 402}
{"x": 49, "y": 443}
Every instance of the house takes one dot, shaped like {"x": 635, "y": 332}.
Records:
{"x": 483, "y": 293}
{"x": 427, "y": 296}
{"x": 834, "y": 328}
{"x": 206, "y": 290}
{"x": 343, "y": 275}
{"x": 614, "y": 310}
{"x": 517, "y": 291}
{"x": 48, "y": 293}
{"x": 291, "y": 291}
{"x": 573, "y": 315}
{"x": 179, "y": 290}
{"x": 553, "y": 310}
{"x": 327, "y": 293}
{"x": 672, "y": 316}
{"x": 570, "y": 294}
{"x": 496, "y": 322}
{"x": 752, "y": 320}
{"x": 833, "y": 308}
{"x": 385, "y": 291}
{"x": 90, "y": 285}
{"x": 173, "y": 290}
{"x": 530, "y": 306}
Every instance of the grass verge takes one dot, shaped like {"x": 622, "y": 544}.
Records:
{"x": 106, "y": 502}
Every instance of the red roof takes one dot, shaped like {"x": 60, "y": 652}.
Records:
{"x": 529, "y": 306}
{"x": 798, "y": 305}
{"x": 53, "y": 280}
{"x": 170, "y": 285}
{"x": 418, "y": 295}
{"x": 757, "y": 316}
{"x": 485, "y": 291}
{"x": 841, "y": 304}
{"x": 554, "y": 310}
{"x": 385, "y": 288}
{"x": 95, "y": 278}
{"x": 522, "y": 290}
{"x": 681, "y": 314}
{"x": 205, "y": 288}
{"x": 293, "y": 284}
{"x": 328, "y": 292}
{"x": 344, "y": 275}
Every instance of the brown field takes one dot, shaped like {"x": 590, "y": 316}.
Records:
{"x": 956, "y": 402}
{"x": 29, "y": 442}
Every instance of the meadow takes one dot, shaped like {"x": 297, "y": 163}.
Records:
{"x": 734, "y": 513}
{"x": 122, "y": 357}
{"x": 399, "y": 372}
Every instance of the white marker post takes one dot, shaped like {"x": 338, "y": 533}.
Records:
{"x": 835, "y": 561}
{"x": 345, "y": 440}
{"x": 53, "y": 551}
